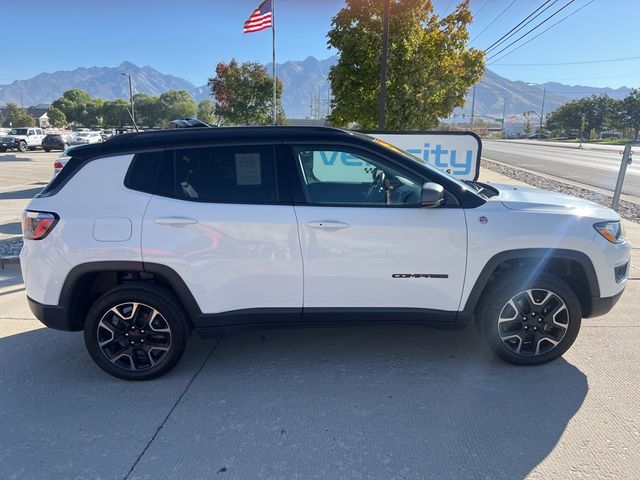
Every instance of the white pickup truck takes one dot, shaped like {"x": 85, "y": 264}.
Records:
{"x": 22, "y": 139}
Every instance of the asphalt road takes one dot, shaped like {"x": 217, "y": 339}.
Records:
{"x": 597, "y": 168}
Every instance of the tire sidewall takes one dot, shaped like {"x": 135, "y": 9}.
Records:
{"x": 498, "y": 297}
{"x": 161, "y": 300}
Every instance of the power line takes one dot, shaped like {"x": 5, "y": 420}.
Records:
{"x": 480, "y": 9}
{"x": 446, "y": 8}
{"x": 532, "y": 29}
{"x": 545, "y": 30}
{"x": 494, "y": 20}
{"x": 520, "y": 26}
{"x": 608, "y": 60}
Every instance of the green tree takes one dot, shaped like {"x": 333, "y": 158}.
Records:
{"x": 73, "y": 104}
{"x": 244, "y": 94}
{"x": 206, "y": 111}
{"x": 177, "y": 104}
{"x": 600, "y": 112}
{"x": 527, "y": 126}
{"x": 430, "y": 67}
{"x": 115, "y": 113}
{"x": 56, "y": 117}
{"x": 148, "y": 110}
{"x": 629, "y": 112}
{"x": 18, "y": 117}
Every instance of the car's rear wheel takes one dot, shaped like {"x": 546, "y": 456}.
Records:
{"x": 47, "y": 150}
{"x": 529, "y": 322}
{"x": 22, "y": 146}
{"x": 136, "y": 332}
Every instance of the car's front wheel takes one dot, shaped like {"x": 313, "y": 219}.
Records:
{"x": 22, "y": 146}
{"x": 136, "y": 332}
{"x": 529, "y": 322}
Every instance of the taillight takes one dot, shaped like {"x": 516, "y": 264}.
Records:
{"x": 58, "y": 165}
{"x": 37, "y": 225}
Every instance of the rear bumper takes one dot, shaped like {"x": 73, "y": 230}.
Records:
{"x": 52, "y": 316}
{"x": 600, "y": 306}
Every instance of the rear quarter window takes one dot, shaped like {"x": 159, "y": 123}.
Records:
{"x": 143, "y": 172}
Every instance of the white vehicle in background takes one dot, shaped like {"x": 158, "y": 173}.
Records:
{"x": 62, "y": 160}
{"x": 85, "y": 138}
{"x": 107, "y": 134}
{"x": 22, "y": 139}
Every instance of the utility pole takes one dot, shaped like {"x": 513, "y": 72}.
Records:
{"x": 544, "y": 95}
{"x": 383, "y": 69}
{"x": 473, "y": 106}
{"x": 133, "y": 115}
{"x": 504, "y": 110}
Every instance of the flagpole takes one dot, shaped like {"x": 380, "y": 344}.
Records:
{"x": 273, "y": 32}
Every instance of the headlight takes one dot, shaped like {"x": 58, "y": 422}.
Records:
{"x": 612, "y": 231}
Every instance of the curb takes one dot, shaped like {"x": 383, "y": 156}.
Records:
{"x": 574, "y": 146}
{"x": 6, "y": 261}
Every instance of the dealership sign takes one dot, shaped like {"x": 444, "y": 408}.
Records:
{"x": 457, "y": 153}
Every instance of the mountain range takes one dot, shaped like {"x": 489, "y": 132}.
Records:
{"x": 306, "y": 88}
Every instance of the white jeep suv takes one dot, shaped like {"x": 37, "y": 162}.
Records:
{"x": 147, "y": 236}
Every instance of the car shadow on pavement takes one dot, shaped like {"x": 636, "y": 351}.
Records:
{"x": 20, "y": 194}
{"x": 13, "y": 158}
{"x": 375, "y": 402}
{"x": 12, "y": 228}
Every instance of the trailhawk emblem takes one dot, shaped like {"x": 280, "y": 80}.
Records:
{"x": 419, "y": 275}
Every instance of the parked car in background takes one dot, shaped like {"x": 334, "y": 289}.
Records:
{"x": 85, "y": 138}
{"x": 22, "y": 139}
{"x": 55, "y": 141}
{"x": 62, "y": 160}
{"x": 107, "y": 134}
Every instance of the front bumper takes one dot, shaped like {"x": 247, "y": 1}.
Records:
{"x": 9, "y": 145}
{"x": 601, "y": 306}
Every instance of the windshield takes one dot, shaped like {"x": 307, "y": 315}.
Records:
{"x": 18, "y": 131}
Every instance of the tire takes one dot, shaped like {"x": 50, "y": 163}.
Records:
{"x": 2, "y": 150}
{"x": 529, "y": 322}
{"x": 158, "y": 325}
{"x": 47, "y": 150}
{"x": 22, "y": 147}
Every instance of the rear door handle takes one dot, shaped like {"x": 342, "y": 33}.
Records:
{"x": 175, "y": 221}
{"x": 328, "y": 225}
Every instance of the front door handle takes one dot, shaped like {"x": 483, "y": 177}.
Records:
{"x": 328, "y": 225}
{"x": 175, "y": 221}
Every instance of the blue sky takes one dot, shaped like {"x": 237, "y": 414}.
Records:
{"x": 189, "y": 37}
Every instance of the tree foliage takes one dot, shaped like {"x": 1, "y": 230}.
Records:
{"x": 18, "y": 117}
{"x": 177, "y": 104}
{"x": 430, "y": 67}
{"x": 206, "y": 111}
{"x": 600, "y": 112}
{"x": 56, "y": 117}
{"x": 243, "y": 93}
{"x": 629, "y": 112}
{"x": 79, "y": 108}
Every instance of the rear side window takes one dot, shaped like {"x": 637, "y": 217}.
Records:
{"x": 143, "y": 171}
{"x": 221, "y": 174}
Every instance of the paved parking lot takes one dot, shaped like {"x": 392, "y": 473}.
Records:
{"x": 379, "y": 403}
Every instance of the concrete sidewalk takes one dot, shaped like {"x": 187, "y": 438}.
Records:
{"x": 577, "y": 146}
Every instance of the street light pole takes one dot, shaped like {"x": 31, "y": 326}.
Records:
{"x": 544, "y": 95}
{"x": 133, "y": 115}
{"x": 504, "y": 110}
{"x": 473, "y": 106}
{"x": 383, "y": 69}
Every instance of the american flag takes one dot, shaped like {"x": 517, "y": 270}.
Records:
{"x": 260, "y": 18}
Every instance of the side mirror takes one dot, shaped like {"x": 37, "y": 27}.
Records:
{"x": 432, "y": 195}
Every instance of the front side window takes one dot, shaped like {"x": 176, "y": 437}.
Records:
{"x": 341, "y": 176}
{"x": 224, "y": 174}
